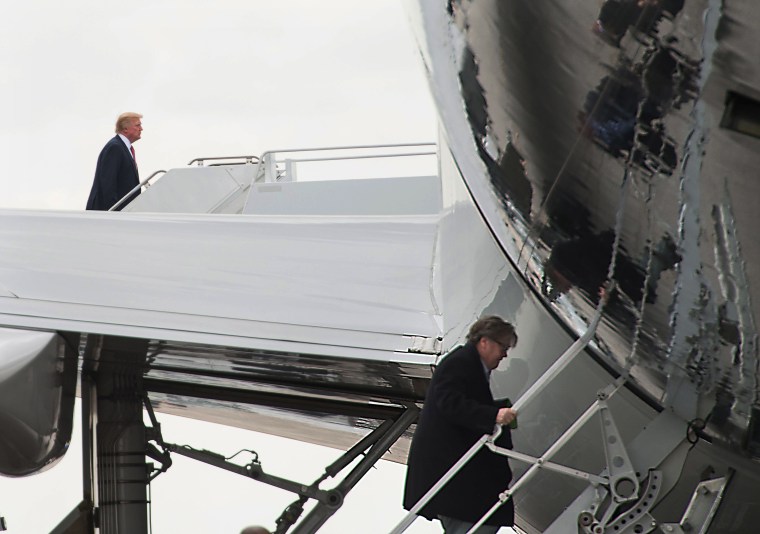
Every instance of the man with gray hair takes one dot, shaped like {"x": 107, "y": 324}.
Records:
{"x": 459, "y": 408}
{"x": 116, "y": 172}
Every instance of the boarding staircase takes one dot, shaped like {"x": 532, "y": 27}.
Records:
{"x": 618, "y": 500}
{"x": 302, "y": 181}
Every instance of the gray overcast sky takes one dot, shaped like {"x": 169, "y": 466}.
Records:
{"x": 211, "y": 78}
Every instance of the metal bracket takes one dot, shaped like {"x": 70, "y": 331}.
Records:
{"x": 154, "y": 434}
{"x": 657, "y": 442}
{"x": 623, "y": 483}
{"x": 424, "y": 345}
{"x": 636, "y": 519}
{"x": 701, "y": 510}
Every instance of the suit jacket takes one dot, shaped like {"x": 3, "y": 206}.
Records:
{"x": 115, "y": 176}
{"x": 458, "y": 410}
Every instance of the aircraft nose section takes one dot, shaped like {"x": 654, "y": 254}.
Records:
{"x": 37, "y": 391}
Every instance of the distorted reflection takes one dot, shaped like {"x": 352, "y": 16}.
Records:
{"x": 505, "y": 165}
{"x": 616, "y": 16}
{"x": 625, "y": 113}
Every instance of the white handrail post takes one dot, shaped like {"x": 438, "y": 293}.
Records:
{"x": 290, "y": 170}
{"x": 270, "y": 168}
{"x": 561, "y": 362}
{"x": 135, "y": 189}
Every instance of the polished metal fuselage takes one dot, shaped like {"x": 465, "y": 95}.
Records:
{"x": 606, "y": 148}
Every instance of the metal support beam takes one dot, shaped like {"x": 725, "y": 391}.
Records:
{"x": 89, "y": 418}
{"x": 252, "y": 470}
{"x": 322, "y": 511}
{"x": 120, "y": 443}
{"x": 372, "y": 447}
{"x": 623, "y": 483}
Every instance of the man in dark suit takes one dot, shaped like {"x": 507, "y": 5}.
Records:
{"x": 459, "y": 408}
{"x": 116, "y": 172}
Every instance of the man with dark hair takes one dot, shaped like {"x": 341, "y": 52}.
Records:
{"x": 116, "y": 172}
{"x": 459, "y": 408}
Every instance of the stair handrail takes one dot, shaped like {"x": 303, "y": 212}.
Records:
{"x": 136, "y": 188}
{"x": 538, "y": 386}
{"x": 246, "y": 160}
{"x": 266, "y": 156}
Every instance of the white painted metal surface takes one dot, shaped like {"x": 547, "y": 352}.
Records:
{"x": 382, "y": 196}
{"x": 19, "y": 349}
{"x": 194, "y": 189}
{"x": 351, "y": 286}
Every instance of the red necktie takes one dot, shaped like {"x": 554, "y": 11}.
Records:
{"x": 132, "y": 149}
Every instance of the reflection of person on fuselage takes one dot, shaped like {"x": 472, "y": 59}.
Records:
{"x": 616, "y": 16}
{"x": 584, "y": 262}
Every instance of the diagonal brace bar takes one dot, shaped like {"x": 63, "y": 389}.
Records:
{"x": 595, "y": 407}
{"x": 323, "y": 511}
{"x": 549, "y": 466}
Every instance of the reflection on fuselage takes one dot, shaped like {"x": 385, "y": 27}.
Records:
{"x": 603, "y": 164}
